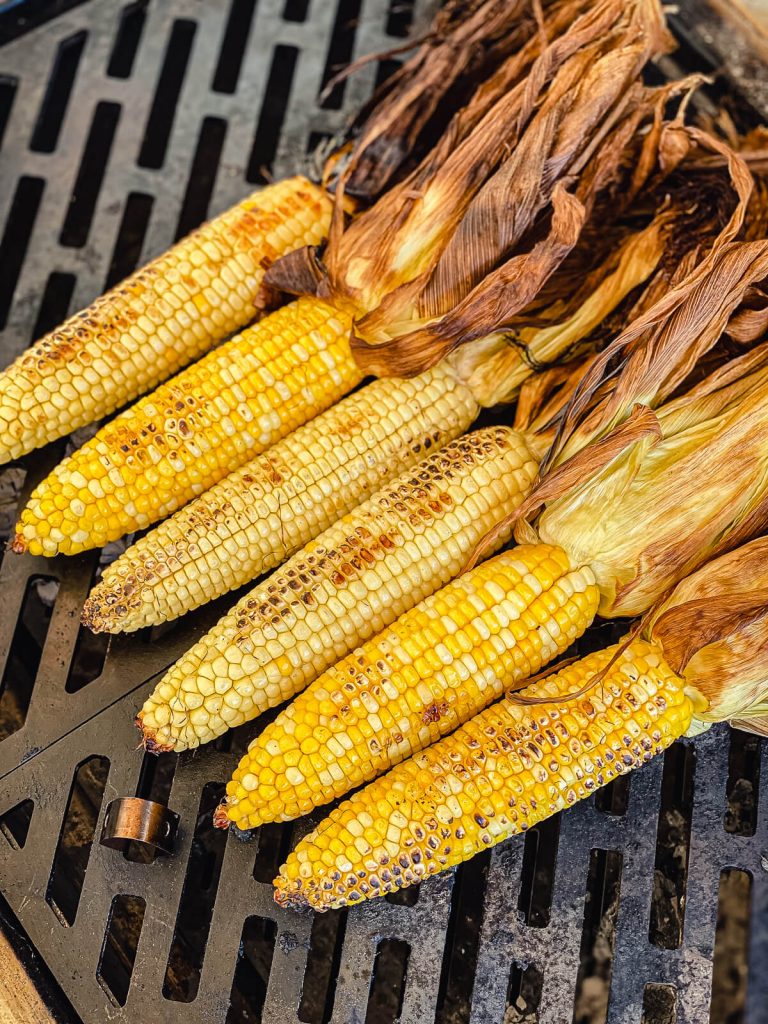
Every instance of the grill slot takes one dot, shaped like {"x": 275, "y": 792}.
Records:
{"x": 205, "y": 97}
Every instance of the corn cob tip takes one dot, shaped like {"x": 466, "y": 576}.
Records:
{"x": 91, "y": 617}
{"x": 149, "y": 738}
{"x": 220, "y": 816}
{"x": 18, "y": 544}
{"x": 290, "y": 895}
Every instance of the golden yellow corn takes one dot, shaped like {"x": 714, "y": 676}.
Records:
{"x": 256, "y": 517}
{"x": 190, "y": 432}
{"x": 435, "y": 668}
{"x": 160, "y": 318}
{"x": 507, "y": 769}
{"x": 401, "y": 545}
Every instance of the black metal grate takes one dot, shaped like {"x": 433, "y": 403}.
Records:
{"x": 121, "y": 128}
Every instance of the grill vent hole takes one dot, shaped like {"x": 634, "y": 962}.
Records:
{"x": 193, "y": 922}
{"x": 659, "y": 1004}
{"x": 167, "y": 92}
{"x": 743, "y": 787}
{"x": 130, "y": 237}
{"x": 295, "y": 10}
{"x": 56, "y": 100}
{"x": 404, "y": 897}
{"x": 274, "y": 846}
{"x": 523, "y": 994}
{"x": 254, "y": 965}
{"x": 613, "y": 798}
{"x": 26, "y": 652}
{"x": 399, "y": 18}
{"x": 54, "y": 304}
{"x": 118, "y": 954}
{"x": 127, "y": 40}
{"x": 233, "y": 46}
{"x": 538, "y": 874}
{"x": 272, "y": 115}
{"x": 14, "y": 824}
{"x": 729, "y": 965}
{"x": 462, "y": 940}
{"x": 390, "y": 972}
{"x": 7, "y": 93}
{"x": 73, "y": 849}
{"x": 16, "y": 238}
{"x": 601, "y": 907}
{"x": 340, "y": 51}
{"x": 90, "y": 652}
{"x": 90, "y": 175}
{"x": 321, "y": 973}
{"x": 670, "y": 875}
{"x": 202, "y": 175}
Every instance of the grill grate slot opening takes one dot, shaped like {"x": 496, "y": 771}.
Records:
{"x": 14, "y": 824}
{"x": 155, "y": 781}
{"x": 130, "y": 237}
{"x": 399, "y": 18}
{"x": 462, "y": 940}
{"x": 390, "y": 971}
{"x": 26, "y": 652}
{"x": 538, "y": 873}
{"x": 73, "y": 850}
{"x": 272, "y": 115}
{"x": 295, "y": 10}
{"x": 601, "y": 906}
{"x": 404, "y": 897}
{"x": 613, "y": 798}
{"x": 743, "y": 786}
{"x": 318, "y": 991}
{"x": 53, "y": 109}
{"x": 54, "y": 304}
{"x": 254, "y": 964}
{"x": 670, "y": 875}
{"x": 193, "y": 922}
{"x": 233, "y": 46}
{"x": 202, "y": 176}
{"x": 163, "y": 112}
{"x": 729, "y": 967}
{"x": 90, "y": 651}
{"x": 274, "y": 845}
{"x": 340, "y": 51}
{"x": 8, "y": 88}
{"x": 659, "y": 1004}
{"x": 90, "y": 176}
{"x": 385, "y": 69}
{"x": 16, "y": 238}
{"x": 127, "y": 40}
{"x": 118, "y": 954}
{"x": 523, "y": 994}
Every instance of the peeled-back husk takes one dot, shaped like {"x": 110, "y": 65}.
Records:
{"x": 713, "y": 629}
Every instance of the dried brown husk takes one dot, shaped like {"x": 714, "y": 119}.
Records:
{"x": 713, "y": 630}
{"x": 666, "y": 503}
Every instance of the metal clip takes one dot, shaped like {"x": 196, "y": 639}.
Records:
{"x": 131, "y": 819}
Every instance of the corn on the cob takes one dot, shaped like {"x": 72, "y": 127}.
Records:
{"x": 436, "y": 667}
{"x": 185, "y": 436}
{"x": 502, "y": 772}
{"x": 401, "y": 545}
{"x": 260, "y": 515}
{"x": 160, "y": 318}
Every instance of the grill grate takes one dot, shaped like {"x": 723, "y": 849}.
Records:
{"x": 121, "y": 129}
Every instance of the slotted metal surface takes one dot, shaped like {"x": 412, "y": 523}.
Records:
{"x": 66, "y": 233}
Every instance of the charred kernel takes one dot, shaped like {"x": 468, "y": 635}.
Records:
{"x": 412, "y": 792}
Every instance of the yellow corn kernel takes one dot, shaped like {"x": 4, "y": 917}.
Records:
{"x": 158, "y": 320}
{"x": 185, "y": 433}
{"x": 349, "y": 584}
{"x": 506, "y": 769}
{"x": 436, "y": 705}
{"x": 258, "y": 516}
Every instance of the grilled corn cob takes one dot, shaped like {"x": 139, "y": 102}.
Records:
{"x": 260, "y": 515}
{"x": 401, "y": 545}
{"x": 436, "y": 667}
{"x": 160, "y": 318}
{"x": 190, "y": 432}
{"x": 504, "y": 771}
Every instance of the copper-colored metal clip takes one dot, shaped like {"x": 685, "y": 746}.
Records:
{"x": 131, "y": 819}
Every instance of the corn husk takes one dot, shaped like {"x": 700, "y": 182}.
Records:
{"x": 713, "y": 629}
{"x": 647, "y": 513}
